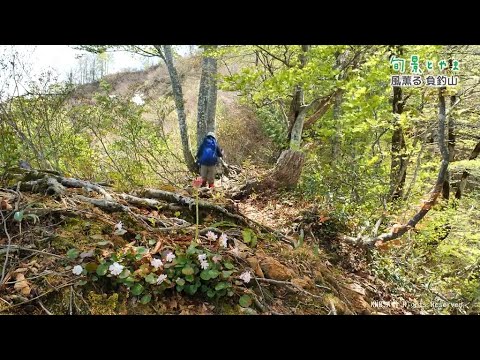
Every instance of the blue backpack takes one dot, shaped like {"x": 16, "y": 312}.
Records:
{"x": 208, "y": 155}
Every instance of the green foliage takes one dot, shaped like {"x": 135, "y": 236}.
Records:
{"x": 245, "y": 301}
{"x": 131, "y": 267}
{"x": 249, "y": 237}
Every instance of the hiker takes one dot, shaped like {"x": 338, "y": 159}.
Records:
{"x": 208, "y": 155}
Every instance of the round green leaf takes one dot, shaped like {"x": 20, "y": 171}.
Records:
{"x": 129, "y": 281}
{"x": 102, "y": 269}
{"x": 191, "y": 249}
{"x": 146, "y": 298}
{"x": 220, "y": 286}
{"x": 205, "y": 275}
{"x": 151, "y": 278}
{"x": 191, "y": 289}
{"x": 226, "y": 274}
{"x": 181, "y": 260}
{"x": 72, "y": 253}
{"x": 245, "y": 301}
{"x": 180, "y": 281}
{"x": 137, "y": 289}
{"x": 213, "y": 273}
{"x": 210, "y": 293}
{"x": 247, "y": 235}
{"x": 190, "y": 278}
{"x": 188, "y": 270}
{"x": 18, "y": 216}
{"x": 124, "y": 274}
{"x": 141, "y": 250}
{"x": 228, "y": 265}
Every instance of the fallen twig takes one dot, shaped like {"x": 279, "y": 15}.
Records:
{"x": 43, "y": 307}
{"x": 16, "y": 247}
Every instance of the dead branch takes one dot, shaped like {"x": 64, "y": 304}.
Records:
{"x": 43, "y": 307}
{"x": 140, "y": 201}
{"x": 55, "y": 185}
{"x": 190, "y": 202}
{"x": 75, "y": 183}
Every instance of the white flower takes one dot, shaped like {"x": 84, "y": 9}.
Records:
{"x": 204, "y": 264}
{"x": 170, "y": 257}
{"x": 137, "y": 99}
{"x": 223, "y": 240}
{"x": 202, "y": 257}
{"x": 119, "y": 229}
{"x": 156, "y": 263}
{"x": 161, "y": 278}
{"x": 246, "y": 276}
{"x": 77, "y": 269}
{"x": 116, "y": 268}
{"x": 211, "y": 236}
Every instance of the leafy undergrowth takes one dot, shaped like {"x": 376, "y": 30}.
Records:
{"x": 70, "y": 257}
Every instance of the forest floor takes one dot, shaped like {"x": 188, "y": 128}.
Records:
{"x": 313, "y": 274}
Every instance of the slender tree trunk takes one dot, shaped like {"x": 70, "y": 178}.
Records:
{"x": 179, "y": 104}
{"x": 451, "y": 149}
{"x": 466, "y": 174}
{"x": 398, "y": 170}
{"x": 207, "y": 98}
{"x": 398, "y": 166}
{"x": 212, "y": 96}
{"x": 202, "y": 102}
{"x": 296, "y": 107}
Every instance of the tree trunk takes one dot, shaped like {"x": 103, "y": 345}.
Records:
{"x": 297, "y": 129}
{"x": 465, "y": 175}
{"x": 212, "y": 96}
{"x": 285, "y": 174}
{"x": 288, "y": 169}
{"x": 179, "y": 104}
{"x": 207, "y": 99}
{"x": 202, "y": 102}
{"x": 297, "y": 113}
{"x": 451, "y": 149}
{"x": 398, "y": 169}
